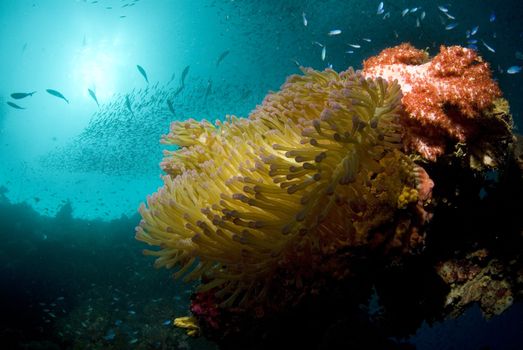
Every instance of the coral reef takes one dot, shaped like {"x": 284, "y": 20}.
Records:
{"x": 450, "y": 100}
{"x": 339, "y": 187}
{"x": 315, "y": 168}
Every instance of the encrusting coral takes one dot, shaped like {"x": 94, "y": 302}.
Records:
{"x": 315, "y": 168}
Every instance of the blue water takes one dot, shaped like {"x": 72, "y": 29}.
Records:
{"x": 72, "y": 174}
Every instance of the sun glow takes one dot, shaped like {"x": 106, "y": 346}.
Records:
{"x": 95, "y": 69}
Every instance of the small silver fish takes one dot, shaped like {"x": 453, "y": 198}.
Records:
{"x": 492, "y": 17}
{"x": 356, "y": 46}
{"x": 334, "y": 32}
{"x": 171, "y": 107}
{"x": 404, "y": 12}
{"x": 380, "y": 8}
{"x": 422, "y": 16}
{"x": 93, "y": 95}
{"x": 14, "y": 105}
{"x": 491, "y": 49}
{"x": 184, "y": 75}
{"x": 474, "y": 30}
{"x": 449, "y": 15}
{"x": 451, "y": 26}
{"x": 128, "y": 105}
{"x": 443, "y": 9}
{"x": 366, "y": 39}
{"x": 222, "y": 56}
{"x": 417, "y": 23}
{"x": 414, "y": 9}
{"x": 56, "y": 94}
{"x": 514, "y": 70}
{"x": 19, "y": 95}
{"x": 387, "y": 15}
{"x": 142, "y": 72}
{"x": 304, "y": 19}
{"x": 323, "y": 53}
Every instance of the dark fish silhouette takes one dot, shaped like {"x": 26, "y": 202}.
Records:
{"x": 14, "y": 105}
{"x": 209, "y": 88}
{"x": 128, "y": 104}
{"x": 93, "y": 95}
{"x": 222, "y": 56}
{"x": 142, "y": 72}
{"x": 19, "y": 95}
{"x": 184, "y": 74}
{"x": 57, "y": 94}
{"x": 171, "y": 107}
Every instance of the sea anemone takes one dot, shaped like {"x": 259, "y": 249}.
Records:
{"x": 316, "y": 168}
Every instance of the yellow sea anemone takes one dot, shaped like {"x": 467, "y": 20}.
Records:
{"x": 314, "y": 169}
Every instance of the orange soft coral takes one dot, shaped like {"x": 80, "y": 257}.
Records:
{"x": 444, "y": 98}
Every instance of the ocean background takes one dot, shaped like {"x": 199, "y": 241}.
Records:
{"x": 72, "y": 174}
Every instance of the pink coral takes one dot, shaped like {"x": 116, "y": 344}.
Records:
{"x": 443, "y": 97}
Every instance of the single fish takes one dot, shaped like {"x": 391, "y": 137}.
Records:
{"x": 404, "y": 12}
{"x": 222, "y": 56}
{"x": 180, "y": 89}
{"x": 171, "y": 107}
{"x": 57, "y": 94}
{"x": 514, "y": 70}
{"x": 492, "y": 17}
{"x": 166, "y": 322}
{"x": 490, "y": 48}
{"x": 142, "y": 72}
{"x": 414, "y": 9}
{"x": 110, "y": 334}
{"x": 19, "y": 95}
{"x": 93, "y": 95}
{"x": 323, "y": 53}
{"x": 387, "y": 15}
{"x": 443, "y": 9}
{"x": 209, "y": 88}
{"x": 366, "y": 39}
{"x": 422, "y": 16}
{"x": 472, "y": 41}
{"x": 451, "y": 26}
{"x": 14, "y": 105}
{"x": 449, "y": 15}
{"x": 304, "y": 19}
{"x": 184, "y": 75}
{"x": 133, "y": 341}
{"x": 356, "y": 46}
{"x": 334, "y": 32}
{"x": 380, "y": 8}
{"x": 418, "y": 24}
{"x": 349, "y": 51}
{"x": 474, "y": 30}
{"x": 317, "y": 43}
{"x": 128, "y": 104}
